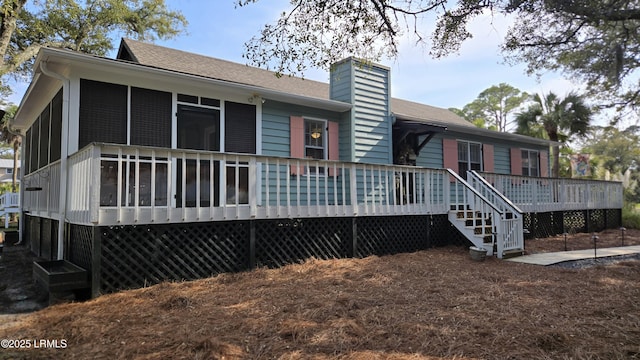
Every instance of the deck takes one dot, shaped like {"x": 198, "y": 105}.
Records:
{"x": 126, "y": 185}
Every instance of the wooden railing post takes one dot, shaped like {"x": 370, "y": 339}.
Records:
{"x": 253, "y": 187}
{"x": 94, "y": 186}
{"x": 353, "y": 187}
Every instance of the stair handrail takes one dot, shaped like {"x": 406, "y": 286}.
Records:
{"x": 514, "y": 207}
{"x": 506, "y": 203}
{"x": 474, "y": 191}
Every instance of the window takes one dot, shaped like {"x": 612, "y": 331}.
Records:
{"x": 9, "y": 171}
{"x": 469, "y": 157}
{"x": 314, "y": 142}
{"x": 530, "y": 163}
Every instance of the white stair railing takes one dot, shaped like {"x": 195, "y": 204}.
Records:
{"x": 512, "y": 237}
{"x": 464, "y": 198}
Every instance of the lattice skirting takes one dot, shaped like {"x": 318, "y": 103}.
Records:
{"x": 124, "y": 257}
{"x": 541, "y": 225}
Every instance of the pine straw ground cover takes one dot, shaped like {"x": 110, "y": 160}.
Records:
{"x": 435, "y": 304}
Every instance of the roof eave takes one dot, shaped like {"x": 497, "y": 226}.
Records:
{"x": 502, "y": 135}
{"x": 68, "y": 58}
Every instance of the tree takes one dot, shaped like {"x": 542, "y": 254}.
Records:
{"x": 13, "y": 140}
{"x": 559, "y": 117}
{"x": 616, "y": 150}
{"x": 87, "y": 27}
{"x": 472, "y": 117}
{"x": 495, "y": 104}
{"x": 595, "y": 42}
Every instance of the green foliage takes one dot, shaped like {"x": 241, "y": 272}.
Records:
{"x": 615, "y": 150}
{"x": 630, "y": 217}
{"x": 560, "y": 118}
{"x": 494, "y": 105}
{"x": 7, "y": 188}
{"x": 86, "y": 26}
{"x": 594, "y": 42}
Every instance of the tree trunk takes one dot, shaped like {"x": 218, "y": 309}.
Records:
{"x": 555, "y": 167}
{"x": 8, "y": 24}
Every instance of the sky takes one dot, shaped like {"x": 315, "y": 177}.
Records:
{"x": 219, "y": 29}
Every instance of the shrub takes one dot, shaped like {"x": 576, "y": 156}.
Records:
{"x": 630, "y": 217}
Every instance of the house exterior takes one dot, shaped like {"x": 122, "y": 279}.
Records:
{"x": 6, "y": 170}
{"x": 162, "y": 164}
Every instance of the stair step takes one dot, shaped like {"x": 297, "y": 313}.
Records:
{"x": 507, "y": 254}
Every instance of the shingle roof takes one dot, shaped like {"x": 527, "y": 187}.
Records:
{"x": 194, "y": 64}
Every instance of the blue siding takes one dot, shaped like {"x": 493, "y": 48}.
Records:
{"x": 372, "y": 130}
{"x": 367, "y": 88}
{"x": 502, "y": 157}
{"x": 276, "y": 122}
{"x": 431, "y": 154}
{"x": 341, "y": 86}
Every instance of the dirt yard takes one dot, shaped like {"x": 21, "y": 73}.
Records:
{"x": 435, "y": 304}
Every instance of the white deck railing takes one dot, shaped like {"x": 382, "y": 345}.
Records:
{"x": 118, "y": 185}
{"x": 534, "y": 194}
{"x": 42, "y": 191}
{"x": 9, "y": 204}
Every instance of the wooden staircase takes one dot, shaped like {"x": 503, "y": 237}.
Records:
{"x": 475, "y": 226}
{"x": 484, "y": 216}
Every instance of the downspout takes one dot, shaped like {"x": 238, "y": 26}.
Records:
{"x": 64, "y": 152}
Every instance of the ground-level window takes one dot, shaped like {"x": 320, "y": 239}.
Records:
{"x": 469, "y": 157}
{"x": 9, "y": 171}
{"x": 315, "y": 144}
{"x": 530, "y": 163}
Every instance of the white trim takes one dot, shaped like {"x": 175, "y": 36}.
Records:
{"x": 325, "y": 142}
{"x": 469, "y": 153}
{"x": 529, "y": 158}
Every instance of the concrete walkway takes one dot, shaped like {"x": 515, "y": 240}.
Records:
{"x": 558, "y": 257}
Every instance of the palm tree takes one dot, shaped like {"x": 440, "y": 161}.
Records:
{"x": 555, "y": 118}
{"x": 11, "y": 139}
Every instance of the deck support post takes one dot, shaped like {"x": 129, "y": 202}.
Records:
{"x": 96, "y": 261}
{"x": 587, "y": 220}
{"x": 354, "y": 237}
{"x": 252, "y": 244}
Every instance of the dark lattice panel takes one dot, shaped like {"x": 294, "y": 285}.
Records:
{"x": 280, "y": 242}
{"x": 443, "y": 233}
{"x": 136, "y": 256}
{"x": 574, "y": 221}
{"x": 558, "y": 222}
{"x": 613, "y": 218}
{"x": 80, "y": 245}
{"x": 392, "y": 234}
{"x": 596, "y": 220}
{"x": 542, "y": 225}
{"x": 528, "y": 224}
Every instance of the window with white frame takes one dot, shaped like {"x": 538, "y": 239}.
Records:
{"x": 530, "y": 163}
{"x": 315, "y": 144}
{"x": 469, "y": 157}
